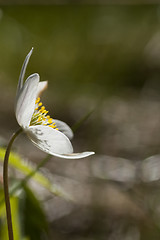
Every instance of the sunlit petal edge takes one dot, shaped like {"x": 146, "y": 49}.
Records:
{"x": 25, "y": 102}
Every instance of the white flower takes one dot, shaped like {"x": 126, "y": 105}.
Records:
{"x": 50, "y": 135}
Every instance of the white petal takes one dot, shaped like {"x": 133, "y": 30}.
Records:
{"x": 64, "y": 128}
{"x": 41, "y": 87}
{"x": 75, "y": 155}
{"x": 25, "y": 102}
{"x": 49, "y": 140}
{"x": 23, "y": 70}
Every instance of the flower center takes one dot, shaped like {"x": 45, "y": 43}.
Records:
{"x": 41, "y": 117}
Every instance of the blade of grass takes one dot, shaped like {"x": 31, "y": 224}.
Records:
{"x": 78, "y": 124}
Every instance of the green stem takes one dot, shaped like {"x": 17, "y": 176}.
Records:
{"x": 5, "y": 184}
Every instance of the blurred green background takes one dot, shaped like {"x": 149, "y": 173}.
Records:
{"x": 104, "y": 58}
{"x": 87, "y": 53}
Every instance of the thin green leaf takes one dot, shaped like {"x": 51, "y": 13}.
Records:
{"x": 78, "y": 124}
{"x": 14, "y": 200}
{"x": 30, "y": 171}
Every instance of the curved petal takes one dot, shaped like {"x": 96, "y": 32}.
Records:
{"x": 64, "y": 128}
{"x": 75, "y": 155}
{"x": 23, "y": 70}
{"x": 41, "y": 87}
{"x": 49, "y": 140}
{"x": 25, "y": 102}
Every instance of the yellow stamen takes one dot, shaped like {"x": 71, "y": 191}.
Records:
{"x": 52, "y": 126}
{"x": 40, "y": 104}
{"x": 37, "y": 100}
{"x": 50, "y": 120}
{"x": 40, "y": 116}
{"x": 39, "y": 119}
{"x": 44, "y": 111}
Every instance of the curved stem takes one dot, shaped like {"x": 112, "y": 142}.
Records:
{"x": 5, "y": 184}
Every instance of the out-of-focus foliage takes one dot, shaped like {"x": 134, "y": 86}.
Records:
{"x": 28, "y": 169}
{"x": 29, "y": 220}
{"x": 112, "y": 197}
{"x": 103, "y": 47}
{"x": 34, "y": 220}
{"x": 26, "y": 209}
{"x": 15, "y": 216}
